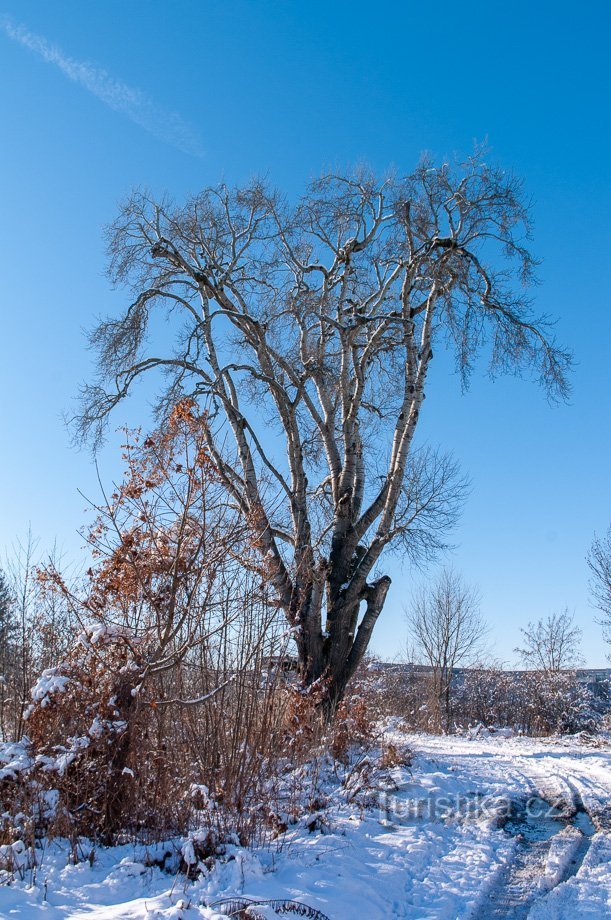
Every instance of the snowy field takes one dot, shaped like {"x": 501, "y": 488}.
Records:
{"x": 477, "y": 828}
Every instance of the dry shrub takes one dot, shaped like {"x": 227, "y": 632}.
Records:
{"x": 81, "y": 725}
{"x": 395, "y": 755}
{"x": 117, "y": 763}
{"x": 249, "y": 756}
{"x": 167, "y": 693}
{"x": 303, "y": 723}
{"x": 353, "y": 726}
{"x": 147, "y": 758}
{"x": 308, "y": 732}
{"x": 394, "y": 690}
{"x": 530, "y": 702}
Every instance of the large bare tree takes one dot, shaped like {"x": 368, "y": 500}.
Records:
{"x": 312, "y": 327}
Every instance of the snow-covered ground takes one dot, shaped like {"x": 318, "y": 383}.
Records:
{"x": 468, "y": 832}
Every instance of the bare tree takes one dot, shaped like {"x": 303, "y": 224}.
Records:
{"x": 22, "y": 582}
{"x": 599, "y": 561}
{"x": 309, "y": 331}
{"x": 447, "y": 629}
{"x": 552, "y": 644}
{"x": 8, "y": 651}
{"x": 35, "y": 631}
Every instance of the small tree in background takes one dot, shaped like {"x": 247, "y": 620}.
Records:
{"x": 8, "y": 652}
{"x": 35, "y": 632}
{"x": 447, "y": 630}
{"x": 599, "y": 561}
{"x": 552, "y": 644}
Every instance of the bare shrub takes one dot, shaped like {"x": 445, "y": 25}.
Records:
{"x": 530, "y": 702}
{"x": 352, "y": 726}
{"x": 36, "y": 629}
{"x": 142, "y": 765}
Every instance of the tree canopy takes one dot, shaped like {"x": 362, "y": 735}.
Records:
{"x": 316, "y": 321}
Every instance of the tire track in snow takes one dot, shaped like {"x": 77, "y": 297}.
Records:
{"x": 576, "y": 783}
{"x": 594, "y": 799}
{"x": 542, "y": 859}
{"x": 516, "y": 889}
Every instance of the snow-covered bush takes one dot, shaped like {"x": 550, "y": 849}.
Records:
{"x": 532, "y": 702}
{"x": 36, "y": 629}
{"x": 529, "y": 702}
{"x": 82, "y": 726}
{"x": 396, "y": 689}
{"x": 106, "y": 760}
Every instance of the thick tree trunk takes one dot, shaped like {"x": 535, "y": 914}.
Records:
{"x": 333, "y": 657}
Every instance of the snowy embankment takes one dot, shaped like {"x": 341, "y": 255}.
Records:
{"x": 467, "y": 832}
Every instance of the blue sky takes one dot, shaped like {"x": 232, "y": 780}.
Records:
{"x": 97, "y": 98}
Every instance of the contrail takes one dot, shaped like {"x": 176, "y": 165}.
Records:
{"x": 136, "y": 105}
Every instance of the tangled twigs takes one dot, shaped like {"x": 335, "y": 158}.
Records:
{"x": 247, "y": 908}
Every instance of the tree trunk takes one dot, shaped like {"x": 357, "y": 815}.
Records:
{"x": 447, "y": 706}
{"x": 117, "y": 791}
{"x": 334, "y": 656}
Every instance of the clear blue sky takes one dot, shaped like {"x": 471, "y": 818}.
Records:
{"x": 96, "y": 98}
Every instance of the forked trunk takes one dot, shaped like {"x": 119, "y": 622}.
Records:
{"x": 334, "y": 656}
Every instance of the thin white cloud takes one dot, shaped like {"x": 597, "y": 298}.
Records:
{"x": 136, "y": 105}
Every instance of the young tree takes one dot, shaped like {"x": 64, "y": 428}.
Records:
{"x": 20, "y": 572}
{"x": 313, "y": 327}
{"x": 551, "y": 645}
{"x": 8, "y": 629}
{"x": 447, "y": 629}
{"x": 7, "y": 619}
{"x": 162, "y": 544}
{"x": 599, "y": 561}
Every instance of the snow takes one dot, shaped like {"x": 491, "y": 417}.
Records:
{"x": 14, "y": 759}
{"x": 96, "y": 635}
{"x": 49, "y": 683}
{"x": 587, "y": 894}
{"x": 481, "y": 826}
